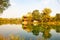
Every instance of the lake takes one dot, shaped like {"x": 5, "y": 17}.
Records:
{"x": 7, "y": 30}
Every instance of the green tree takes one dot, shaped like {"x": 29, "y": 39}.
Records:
{"x": 36, "y": 15}
{"x": 46, "y": 14}
{"x": 46, "y": 11}
{"x": 57, "y": 17}
{"x": 4, "y": 4}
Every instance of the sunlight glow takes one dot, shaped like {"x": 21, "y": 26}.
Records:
{"x": 20, "y": 7}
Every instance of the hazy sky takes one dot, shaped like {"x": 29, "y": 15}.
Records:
{"x": 22, "y": 7}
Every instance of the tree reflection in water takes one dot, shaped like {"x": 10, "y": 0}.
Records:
{"x": 45, "y": 29}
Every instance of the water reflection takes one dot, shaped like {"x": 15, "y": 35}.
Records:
{"x": 45, "y": 29}
{"x": 30, "y": 32}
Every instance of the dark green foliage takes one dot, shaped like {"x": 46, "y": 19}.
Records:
{"x": 46, "y": 36}
{"x": 4, "y": 4}
{"x": 57, "y": 17}
{"x": 36, "y": 15}
{"x": 58, "y": 28}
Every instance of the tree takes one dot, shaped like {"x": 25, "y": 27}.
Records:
{"x": 46, "y": 11}
{"x": 36, "y": 15}
{"x": 4, "y": 4}
{"x": 46, "y": 14}
{"x": 57, "y": 17}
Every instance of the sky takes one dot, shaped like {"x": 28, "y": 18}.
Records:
{"x": 19, "y": 8}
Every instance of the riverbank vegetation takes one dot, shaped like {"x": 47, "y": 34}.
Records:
{"x": 10, "y": 21}
{"x": 35, "y": 17}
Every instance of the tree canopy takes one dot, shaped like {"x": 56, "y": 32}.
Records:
{"x": 47, "y": 11}
{"x": 36, "y": 14}
{"x": 46, "y": 14}
{"x": 4, "y": 4}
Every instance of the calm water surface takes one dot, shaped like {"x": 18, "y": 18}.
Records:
{"x": 6, "y": 30}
